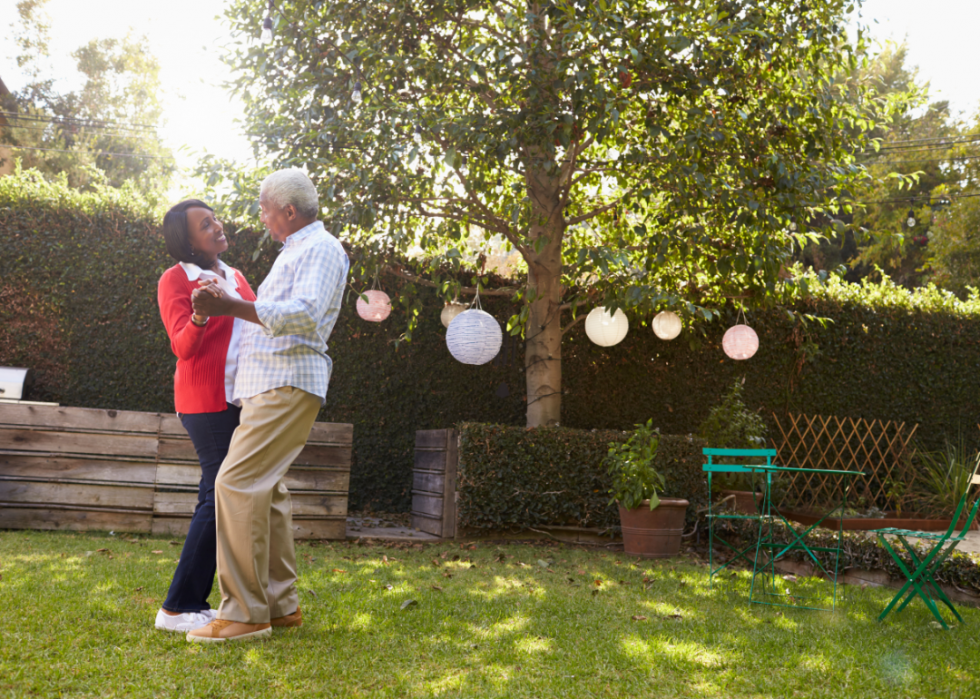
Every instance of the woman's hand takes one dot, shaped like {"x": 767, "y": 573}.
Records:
{"x": 211, "y": 286}
{"x": 209, "y": 300}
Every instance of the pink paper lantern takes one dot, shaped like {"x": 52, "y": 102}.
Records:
{"x": 376, "y": 308}
{"x": 740, "y": 342}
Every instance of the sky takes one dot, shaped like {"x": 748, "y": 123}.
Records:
{"x": 187, "y": 37}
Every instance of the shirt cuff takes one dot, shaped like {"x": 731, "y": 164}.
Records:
{"x": 270, "y": 317}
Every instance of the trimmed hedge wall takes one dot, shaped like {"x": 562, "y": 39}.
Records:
{"x": 78, "y": 303}
{"x": 514, "y": 478}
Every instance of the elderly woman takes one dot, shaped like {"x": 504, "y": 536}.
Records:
{"x": 207, "y": 361}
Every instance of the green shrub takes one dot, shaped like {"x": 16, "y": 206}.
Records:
{"x": 630, "y": 466}
{"x": 516, "y": 478}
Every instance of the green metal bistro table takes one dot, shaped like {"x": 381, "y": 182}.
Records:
{"x": 767, "y": 591}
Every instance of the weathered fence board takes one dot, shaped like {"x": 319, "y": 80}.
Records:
{"x": 434, "y": 482}
{"x": 79, "y": 468}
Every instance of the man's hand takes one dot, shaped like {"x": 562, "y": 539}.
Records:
{"x": 209, "y": 300}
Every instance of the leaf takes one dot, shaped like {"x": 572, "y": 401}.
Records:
{"x": 436, "y": 588}
{"x": 389, "y": 587}
{"x": 339, "y": 570}
{"x": 639, "y": 617}
{"x": 436, "y": 562}
{"x": 543, "y": 564}
{"x": 408, "y": 603}
{"x": 156, "y": 551}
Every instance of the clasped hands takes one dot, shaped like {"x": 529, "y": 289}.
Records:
{"x": 208, "y": 300}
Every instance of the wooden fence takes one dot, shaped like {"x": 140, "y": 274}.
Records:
{"x": 84, "y": 469}
{"x": 881, "y": 449}
{"x": 434, "y": 482}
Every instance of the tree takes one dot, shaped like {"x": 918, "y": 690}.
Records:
{"x": 102, "y": 133}
{"x": 638, "y": 154}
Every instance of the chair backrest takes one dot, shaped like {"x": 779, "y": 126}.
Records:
{"x": 712, "y": 454}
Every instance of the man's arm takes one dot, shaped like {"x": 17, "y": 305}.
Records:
{"x": 209, "y": 301}
{"x": 321, "y": 270}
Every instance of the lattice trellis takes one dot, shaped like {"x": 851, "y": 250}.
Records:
{"x": 879, "y": 448}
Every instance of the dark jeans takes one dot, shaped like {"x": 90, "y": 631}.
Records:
{"x": 194, "y": 577}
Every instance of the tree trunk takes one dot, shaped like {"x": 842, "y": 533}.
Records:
{"x": 542, "y": 355}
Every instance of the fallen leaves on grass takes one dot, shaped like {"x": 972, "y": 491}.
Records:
{"x": 408, "y": 603}
{"x": 639, "y": 617}
{"x": 156, "y": 551}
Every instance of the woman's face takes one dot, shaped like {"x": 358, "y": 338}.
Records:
{"x": 206, "y": 235}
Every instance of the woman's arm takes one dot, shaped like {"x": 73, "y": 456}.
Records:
{"x": 186, "y": 338}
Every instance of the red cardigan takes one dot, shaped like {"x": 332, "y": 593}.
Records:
{"x": 199, "y": 383}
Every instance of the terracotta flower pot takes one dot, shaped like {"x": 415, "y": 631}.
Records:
{"x": 653, "y": 533}
{"x": 744, "y": 500}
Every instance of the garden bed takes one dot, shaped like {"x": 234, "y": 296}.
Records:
{"x": 893, "y": 520}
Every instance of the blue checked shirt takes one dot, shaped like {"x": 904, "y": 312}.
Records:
{"x": 298, "y": 303}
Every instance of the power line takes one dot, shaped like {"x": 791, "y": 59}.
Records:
{"x": 83, "y": 123}
{"x": 75, "y": 152}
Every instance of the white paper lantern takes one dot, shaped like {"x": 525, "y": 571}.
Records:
{"x": 450, "y": 311}
{"x": 474, "y": 337}
{"x": 606, "y": 329}
{"x": 667, "y": 325}
{"x": 376, "y": 308}
{"x": 740, "y": 342}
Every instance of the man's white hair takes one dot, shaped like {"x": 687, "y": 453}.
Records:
{"x": 292, "y": 186}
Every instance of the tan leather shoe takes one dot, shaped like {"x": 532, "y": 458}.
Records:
{"x": 291, "y": 620}
{"x": 221, "y": 630}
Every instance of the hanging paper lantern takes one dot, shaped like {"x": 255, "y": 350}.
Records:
{"x": 450, "y": 311}
{"x": 666, "y": 325}
{"x": 376, "y": 308}
{"x": 740, "y": 342}
{"x": 474, "y": 337}
{"x": 606, "y": 329}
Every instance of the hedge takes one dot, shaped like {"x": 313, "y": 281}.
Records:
{"x": 77, "y": 303}
{"x": 512, "y": 478}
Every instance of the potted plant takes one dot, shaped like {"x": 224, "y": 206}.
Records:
{"x": 652, "y": 526}
{"x": 731, "y": 425}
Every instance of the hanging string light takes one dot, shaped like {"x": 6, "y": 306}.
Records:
{"x": 740, "y": 341}
{"x": 356, "y": 95}
{"x": 417, "y": 137}
{"x": 474, "y": 336}
{"x": 374, "y": 305}
{"x": 911, "y": 219}
{"x": 266, "y": 36}
{"x": 604, "y": 328}
{"x": 450, "y": 311}
{"x": 667, "y": 325}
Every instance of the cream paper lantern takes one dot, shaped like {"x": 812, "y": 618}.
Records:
{"x": 474, "y": 337}
{"x": 740, "y": 342}
{"x": 376, "y": 308}
{"x": 606, "y": 329}
{"x": 667, "y": 325}
{"x": 450, "y": 311}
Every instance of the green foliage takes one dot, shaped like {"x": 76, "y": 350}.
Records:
{"x": 731, "y": 425}
{"x": 639, "y": 154}
{"x": 79, "y": 134}
{"x": 78, "y": 304}
{"x": 946, "y": 476}
{"x": 630, "y": 466}
{"x": 517, "y": 478}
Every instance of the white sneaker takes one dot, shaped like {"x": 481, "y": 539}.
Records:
{"x": 188, "y": 621}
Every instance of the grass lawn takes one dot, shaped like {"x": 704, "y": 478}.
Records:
{"x": 76, "y": 619}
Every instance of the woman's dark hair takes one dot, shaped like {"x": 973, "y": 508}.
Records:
{"x": 175, "y": 233}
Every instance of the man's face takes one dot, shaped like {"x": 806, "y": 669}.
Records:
{"x": 280, "y": 222}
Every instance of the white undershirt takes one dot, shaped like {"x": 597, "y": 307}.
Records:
{"x": 229, "y": 285}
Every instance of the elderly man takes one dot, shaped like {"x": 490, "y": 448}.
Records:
{"x": 282, "y": 379}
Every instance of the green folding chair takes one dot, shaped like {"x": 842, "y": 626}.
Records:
{"x": 748, "y": 553}
{"x": 920, "y": 575}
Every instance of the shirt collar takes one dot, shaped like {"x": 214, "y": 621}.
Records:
{"x": 193, "y": 271}
{"x": 303, "y": 233}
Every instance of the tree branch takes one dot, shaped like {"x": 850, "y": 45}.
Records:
{"x": 505, "y": 292}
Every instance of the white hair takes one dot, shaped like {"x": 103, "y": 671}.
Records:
{"x": 292, "y": 186}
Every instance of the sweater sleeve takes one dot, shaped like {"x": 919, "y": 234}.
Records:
{"x": 186, "y": 338}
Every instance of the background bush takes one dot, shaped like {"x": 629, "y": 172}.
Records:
{"x": 513, "y": 478}
{"x": 78, "y": 304}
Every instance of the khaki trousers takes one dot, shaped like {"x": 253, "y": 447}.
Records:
{"x": 256, "y": 558}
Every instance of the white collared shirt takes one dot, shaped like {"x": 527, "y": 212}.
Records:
{"x": 298, "y": 304}
{"x": 229, "y": 285}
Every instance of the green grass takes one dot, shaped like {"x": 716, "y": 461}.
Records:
{"x": 77, "y": 620}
